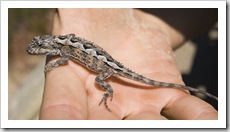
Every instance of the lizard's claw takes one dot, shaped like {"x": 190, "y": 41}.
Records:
{"x": 104, "y": 98}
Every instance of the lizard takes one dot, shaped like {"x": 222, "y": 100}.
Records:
{"x": 95, "y": 59}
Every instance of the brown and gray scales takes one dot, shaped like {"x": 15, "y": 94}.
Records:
{"x": 94, "y": 58}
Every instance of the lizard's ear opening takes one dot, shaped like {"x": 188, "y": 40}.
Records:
{"x": 54, "y": 41}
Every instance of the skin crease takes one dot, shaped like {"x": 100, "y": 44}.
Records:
{"x": 141, "y": 42}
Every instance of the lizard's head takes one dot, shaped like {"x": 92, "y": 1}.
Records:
{"x": 42, "y": 42}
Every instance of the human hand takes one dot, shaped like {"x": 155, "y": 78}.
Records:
{"x": 142, "y": 43}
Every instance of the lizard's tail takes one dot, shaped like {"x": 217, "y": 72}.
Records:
{"x": 137, "y": 77}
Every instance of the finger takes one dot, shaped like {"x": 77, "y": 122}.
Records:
{"x": 145, "y": 116}
{"x": 64, "y": 96}
{"x": 190, "y": 108}
{"x": 103, "y": 114}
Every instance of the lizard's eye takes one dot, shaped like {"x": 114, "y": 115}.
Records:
{"x": 39, "y": 43}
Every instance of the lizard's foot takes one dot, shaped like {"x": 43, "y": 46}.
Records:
{"x": 104, "y": 98}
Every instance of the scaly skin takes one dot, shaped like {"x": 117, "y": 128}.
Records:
{"x": 95, "y": 59}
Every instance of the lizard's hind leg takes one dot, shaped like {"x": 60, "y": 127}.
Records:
{"x": 109, "y": 91}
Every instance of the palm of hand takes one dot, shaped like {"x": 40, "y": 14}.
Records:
{"x": 135, "y": 39}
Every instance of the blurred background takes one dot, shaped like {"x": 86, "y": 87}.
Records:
{"x": 197, "y": 60}
{"x": 26, "y": 78}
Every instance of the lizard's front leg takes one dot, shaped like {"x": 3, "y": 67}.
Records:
{"x": 106, "y": 73}
{"x": 64, "y": 53}
{"x": 53, "y": 64}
